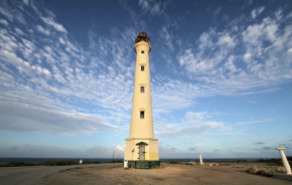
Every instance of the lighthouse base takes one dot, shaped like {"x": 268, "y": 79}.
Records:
{"x": 141, "y": 149}
{"x": 143, "y": 164}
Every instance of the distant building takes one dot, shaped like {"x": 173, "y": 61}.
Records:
{"x": 141, "y": 146}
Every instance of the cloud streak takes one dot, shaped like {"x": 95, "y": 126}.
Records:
{"x": 43, "y": 87}
{"x": 241, "y": 58}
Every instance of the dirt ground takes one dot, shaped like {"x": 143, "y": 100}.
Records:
{"x": 170, "y": 174}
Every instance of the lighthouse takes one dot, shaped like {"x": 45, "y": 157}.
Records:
{"x": 141, "y": 147}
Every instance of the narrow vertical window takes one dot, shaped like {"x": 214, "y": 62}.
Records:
{"x": 142, "y": 51}
{"x": 142, "y": 68}
{"x": 142, "y": 114}
{"x": 142, "y": 89}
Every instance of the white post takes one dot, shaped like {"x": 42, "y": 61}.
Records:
{"x": 201, "y": 160}
{"x": 284, "y": 159}
{"x": 126, "y": 165}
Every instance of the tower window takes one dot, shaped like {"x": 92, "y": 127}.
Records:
{"x": 142, "y": 114}
{"x": 142, "y": 51}
{"x": 142, "y": 89}
{"x": 142, "y": 68}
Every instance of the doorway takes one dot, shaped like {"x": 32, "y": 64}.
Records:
{"x": 142, "y": 152}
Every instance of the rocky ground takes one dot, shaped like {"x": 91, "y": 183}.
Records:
{"x": 182, "y": 173}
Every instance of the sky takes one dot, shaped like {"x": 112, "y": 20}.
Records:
{"x": 221, "y": 77}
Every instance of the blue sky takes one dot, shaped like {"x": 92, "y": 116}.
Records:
{"x": 221, "y": 77}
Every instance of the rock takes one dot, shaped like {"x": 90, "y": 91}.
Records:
{"x": 252, "y": 170}
{"x": 213, "y": 164}
{"x": 259, "y": 171}
{"x": 191, "y": 163}
{"x": 268, "y": 174}
{"x": 281, "y": 170}
{"x": 188, "y": 163}
{"x": 216, "y": 164}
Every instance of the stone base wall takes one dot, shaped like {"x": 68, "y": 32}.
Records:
{"x": 143, "y": 164}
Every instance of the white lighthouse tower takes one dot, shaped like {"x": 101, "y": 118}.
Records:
{"x": 141, "y": 146}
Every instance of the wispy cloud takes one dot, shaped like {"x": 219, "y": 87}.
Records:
{"x": 171, "y": 152}
{"x": 167, "y": 38}
{"x": 241, "y": 58}
{"x": 43, "y": 79}
{"x": 260, "y": 121}
{"x": 259, "y": 143}
{"x": 193, "y": 149}
{"x": 265, "y": 148}
{"x": 135, "y": 17}
{"x": 170, "y": 95}
{"x": 257, "y": 12}
{"x": 193, "y": 126}
{"x": 51, "y": 22}
{"x": 150, "y": 6}
{"x": 36, "y": 114}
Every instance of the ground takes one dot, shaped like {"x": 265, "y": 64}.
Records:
{"x": 170, "y": 174}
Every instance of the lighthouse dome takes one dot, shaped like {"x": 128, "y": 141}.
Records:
{"x": 142, "y": 37}
{"x": 142, "y": 34}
